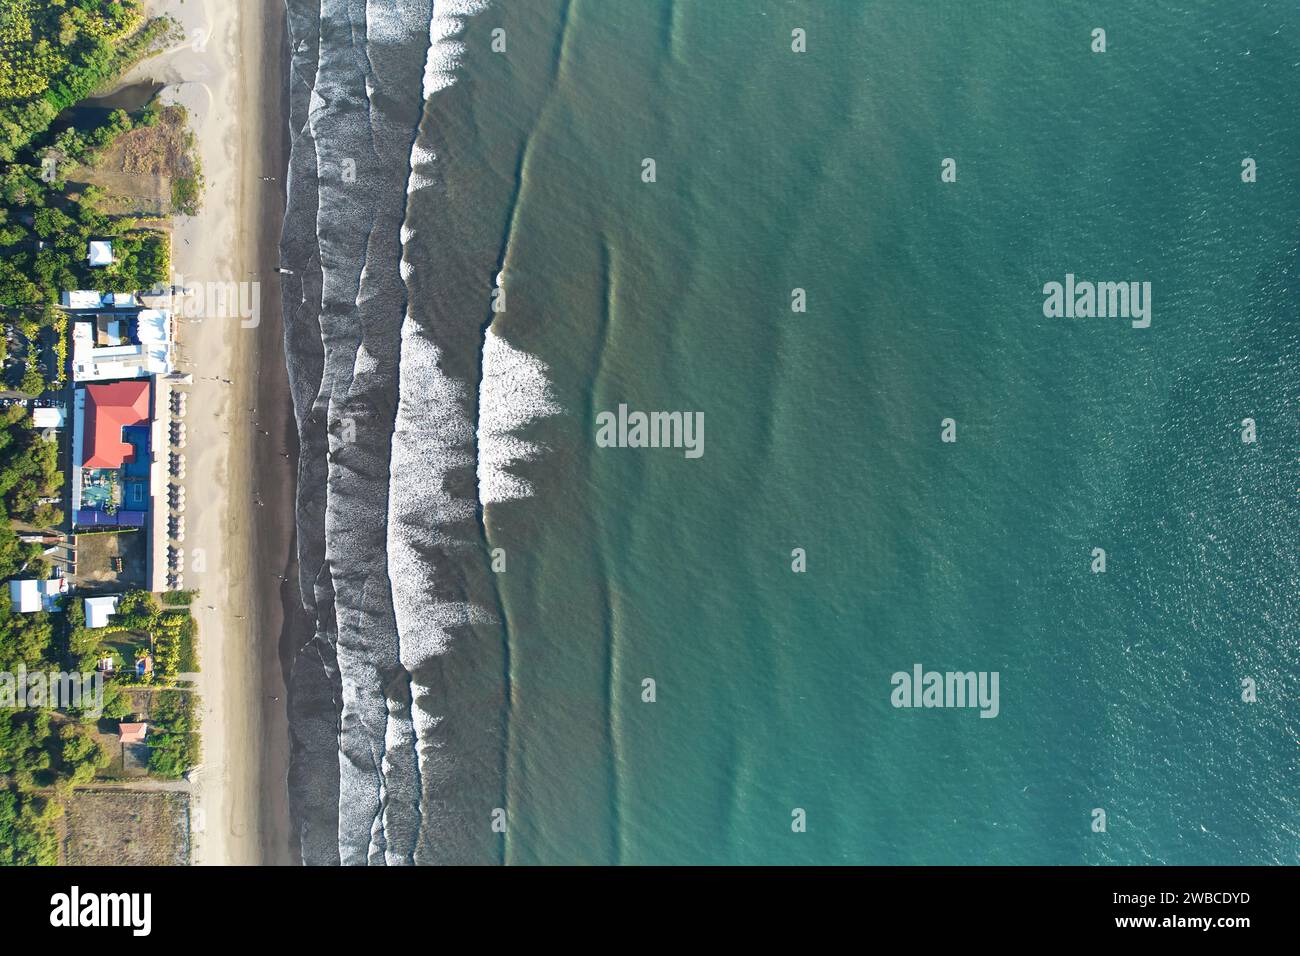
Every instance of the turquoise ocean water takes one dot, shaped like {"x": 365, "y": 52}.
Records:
{"x": 821, "y": 171}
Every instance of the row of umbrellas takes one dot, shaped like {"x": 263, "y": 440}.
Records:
{"x": 176, "y": 494}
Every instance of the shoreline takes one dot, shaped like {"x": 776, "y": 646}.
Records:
{"x": 241, "y": 484}
{"x": 278, "y": 603}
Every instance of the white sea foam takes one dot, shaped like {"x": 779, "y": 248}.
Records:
{"x": 432, "y": 457}
{"x": 445, "y": 51}
{"x": 514, "y": 391}
{"x": 431, "y": 437}
{"x": 385, "y": 22}
{"x": 376, "y": 759}
{"x": 421, "y": 156}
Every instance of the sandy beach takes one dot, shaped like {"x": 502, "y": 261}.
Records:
{"x": 242, "y": 446}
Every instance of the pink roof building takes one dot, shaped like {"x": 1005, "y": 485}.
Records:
{"x": 132, "y": 733}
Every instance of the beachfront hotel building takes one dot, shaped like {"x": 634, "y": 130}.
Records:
{"x": 121, "y": 342}
{"x": 123, "y": 355}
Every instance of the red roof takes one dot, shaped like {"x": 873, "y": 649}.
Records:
{"x": 132, "y": 733}
{"x": 109, "y": 409}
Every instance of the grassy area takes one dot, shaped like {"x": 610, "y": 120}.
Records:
{"x": 127, "y": 828}
{"x": 140, "y": 624}
{"x": 149, "y": 168}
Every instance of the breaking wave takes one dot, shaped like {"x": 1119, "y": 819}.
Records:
{"x": 408, "y": 413}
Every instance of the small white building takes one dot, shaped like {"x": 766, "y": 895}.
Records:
{"x": 25, "y": 596}
{"x": 31, "y": 595}
{"x": 82, "y": 299}
{"x": 99, "y": 609}
{"x": 100, "y": 254}
{"x": 45, "y": 416}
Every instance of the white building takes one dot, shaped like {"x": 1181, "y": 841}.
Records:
{"x": 44, "y": 416}
{"x": 122, "y": 345}
{"x": 86, "y": 299}
{"x": 30, "y": 596}
{"x": 100, "y": 253}
{"x": 98, "y": 610}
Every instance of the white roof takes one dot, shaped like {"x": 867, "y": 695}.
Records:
{"x": 45, "y": 417}
{"x": 31, "y": 595}
{"x": 98, "y": 609}
{"x": 151, "y": 326}
{"x": 90, "y": 299}
{"x": 151, "y": 355}
{"x": 101, "y": 253}
{"x": 82, "y": 299}
{"x": 25, "y": 595}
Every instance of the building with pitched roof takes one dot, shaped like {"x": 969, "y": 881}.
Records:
{"x": 109, "y": 411}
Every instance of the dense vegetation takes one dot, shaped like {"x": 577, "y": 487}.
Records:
{"x": 44, "y": 234}
{"x": 174, "y": 741}
{"x": 44, "y": 753}
{"x": 27, "y": 829}
{"x": 29, "y": 472}
{"x": 53, "y": 54}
